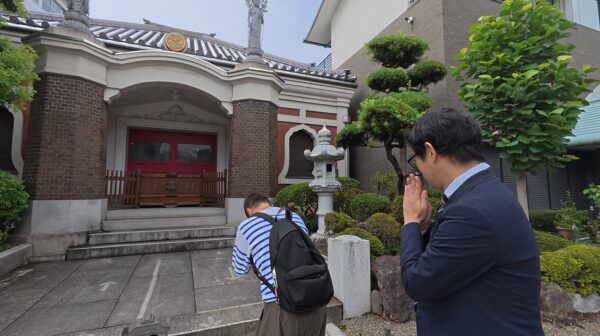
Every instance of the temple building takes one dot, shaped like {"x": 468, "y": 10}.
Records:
{"x": 150, "y": 127}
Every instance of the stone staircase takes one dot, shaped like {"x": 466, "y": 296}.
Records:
{"x": 157, "y": 230}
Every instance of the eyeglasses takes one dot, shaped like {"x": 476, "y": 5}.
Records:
{"x": 412, "y": 162}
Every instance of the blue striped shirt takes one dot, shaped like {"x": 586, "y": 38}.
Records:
{"x": 252, "y": 238}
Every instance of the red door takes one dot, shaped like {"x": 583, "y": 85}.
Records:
{"x": 171, "y": 152}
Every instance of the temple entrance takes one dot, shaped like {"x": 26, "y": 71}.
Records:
{"x": 172, "y": 153}
{"x": 168, "y": 169}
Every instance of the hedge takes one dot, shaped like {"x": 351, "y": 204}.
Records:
{"x": 575, "y": 268}
{"x": 365, "y": 205}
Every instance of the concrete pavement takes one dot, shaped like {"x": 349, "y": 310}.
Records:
{"x": 61, "y": 298}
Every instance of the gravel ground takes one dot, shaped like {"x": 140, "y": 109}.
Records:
{"x": 373, "y": 325}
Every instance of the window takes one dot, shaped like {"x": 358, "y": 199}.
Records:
{"x": 194, "y": 153}
{"x": 149, "y": 151}
{"x": 300, "y": 167}
{"x": 6, "y": 133}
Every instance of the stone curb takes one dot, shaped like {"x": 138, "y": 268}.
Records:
{"x": 333, "y": 330}
{"x": 14, "y": 258}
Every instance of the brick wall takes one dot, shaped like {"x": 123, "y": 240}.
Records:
{"x": 66, "y": 146}
{"x": 253, "y": 151}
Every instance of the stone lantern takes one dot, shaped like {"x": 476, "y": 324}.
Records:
{"x": 324, "y": 156}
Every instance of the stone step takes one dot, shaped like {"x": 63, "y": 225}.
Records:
{"x": 239, "y": 321}
{"x": 163, "y": 213}
{"x": 114, "y": 250}
{"x": 116, "y": 237}
{"x": 163, "y": 223}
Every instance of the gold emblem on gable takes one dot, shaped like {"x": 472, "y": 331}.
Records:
{"x": 175, "y": 42}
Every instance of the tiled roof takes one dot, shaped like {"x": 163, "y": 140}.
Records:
{"x": 150, "y": 35}
{"x": 587, "y": 131}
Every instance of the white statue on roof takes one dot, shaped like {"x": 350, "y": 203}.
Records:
{"x": 256, "y": 11}
{"x": 77, "y": 15}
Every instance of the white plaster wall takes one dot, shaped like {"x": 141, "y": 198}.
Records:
{"x": 355, "y": 22}
{"x": 585, "y": 12}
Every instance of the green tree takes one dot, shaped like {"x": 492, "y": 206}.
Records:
{"x": 16, "y": 64}
{"x": 519, "y": 84}
{"x": 384, "y": 118}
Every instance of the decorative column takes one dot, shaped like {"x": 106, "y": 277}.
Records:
{"x": 65, "y": 158}
{"x": 252, "y": 137}
{"x": 324, "y": 156}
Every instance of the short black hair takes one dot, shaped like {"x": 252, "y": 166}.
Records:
{"x": 254, "y": 199}
{"x": 453, "y": 134}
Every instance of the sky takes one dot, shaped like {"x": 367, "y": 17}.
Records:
{"x": 287, "y": 22}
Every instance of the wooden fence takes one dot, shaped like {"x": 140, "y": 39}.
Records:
{"x": 123, "y": 189}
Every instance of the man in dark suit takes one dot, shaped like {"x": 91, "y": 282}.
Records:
{"x": 475, "y": 270}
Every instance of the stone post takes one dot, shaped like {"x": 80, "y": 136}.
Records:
{"x": 349, "y": 266}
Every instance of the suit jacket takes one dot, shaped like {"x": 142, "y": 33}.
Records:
{"x": 478, "y": 273}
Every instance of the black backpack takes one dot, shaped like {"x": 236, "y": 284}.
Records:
{"x": 302, "y": 280}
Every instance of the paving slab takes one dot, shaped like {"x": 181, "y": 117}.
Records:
{"x": 223, "y": 296}
{"x": 14, "y": 303}
{"x": 215, "y": 272}
{"x": 211, "y": 254}
{"x": 167, "y": 295}
{"x": 90, "y": 286}
{"x": 127, "y": 262}
{"x": 39, "y": 275}
{"x": 112, "y": 331}
{"x": 58, "y": 320}
{"x": 171, "y": 263}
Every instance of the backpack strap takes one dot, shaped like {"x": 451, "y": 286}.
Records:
{"x": 254, "y": 268}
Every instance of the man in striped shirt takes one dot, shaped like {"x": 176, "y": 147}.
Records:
{"x": 252, "y": 239}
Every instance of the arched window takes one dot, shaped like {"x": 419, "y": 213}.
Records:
{"x": 299, "y": 167}
{"x": 6, "y": 135}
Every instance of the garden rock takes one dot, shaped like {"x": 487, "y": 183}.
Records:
{"x": 376, "y": 302}
{"x": 396, "y": 304}
{"x": 554, "y": 301}
{"x": 587, "y": 305}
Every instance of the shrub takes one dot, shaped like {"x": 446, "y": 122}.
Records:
{"x": 387, "y": 80}
{"x": 375, "y": 245}
{"x": 343, "y": 198}
{"x": 348, "y": 182}
{"x": 387, "y": 229}
{"x": 543, "y": 220}
{"x": 397, "y": 210}
{"x": 418, "y": 100}
{"x": 397, "y": 50}
{"x": 435, "y": 198}
{"x": 569, "y": 216}
{"x": 337, "y": 222}
{"x": 550, "y": 243}
{"x": 427, "y": 72}
{"x": 386, "y": 184}
{"x": 13, "y": 200}
{"x": 298, "y": 198}
{"x": 593, "y": 194}
{"x": 367, "y": 204}
{"x": 351, "y": 135}
{"x": 575, "y": 268}
{"x": 312, "y": 223}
